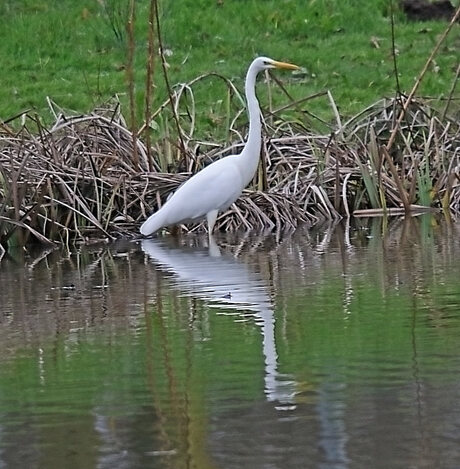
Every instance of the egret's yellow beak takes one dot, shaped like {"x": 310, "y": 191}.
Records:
{"x": 285, "y": 65}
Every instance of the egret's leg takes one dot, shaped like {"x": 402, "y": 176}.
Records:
{"x": 213, "y": 247}
{"x": 214, "y": 250}
{"x": 211, "y": 217}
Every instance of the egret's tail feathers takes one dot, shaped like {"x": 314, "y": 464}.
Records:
{"x": 152, "y": 224}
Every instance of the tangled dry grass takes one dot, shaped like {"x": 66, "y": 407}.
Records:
{"x": 76, "y": 180}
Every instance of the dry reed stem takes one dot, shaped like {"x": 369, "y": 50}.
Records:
{"x": 130, "y": 77}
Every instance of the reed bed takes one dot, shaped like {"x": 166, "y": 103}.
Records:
{"x": 76, "y": 180}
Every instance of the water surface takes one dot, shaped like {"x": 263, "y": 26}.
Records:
{"x": 328, "y": 348}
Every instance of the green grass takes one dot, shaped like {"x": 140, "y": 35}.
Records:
{"x": 68, "y": 51}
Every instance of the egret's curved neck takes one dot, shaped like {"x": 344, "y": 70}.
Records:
{"x": 251, "y": 150}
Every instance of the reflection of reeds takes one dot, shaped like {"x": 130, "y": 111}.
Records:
{"x": 78, "y": 178}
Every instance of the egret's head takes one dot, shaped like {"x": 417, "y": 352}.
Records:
{"x": 264, "y": 63}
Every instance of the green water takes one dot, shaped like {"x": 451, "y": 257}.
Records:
{"x": 332, "y": 348}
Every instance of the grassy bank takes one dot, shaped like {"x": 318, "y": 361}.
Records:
{"x": 75, "y": 52}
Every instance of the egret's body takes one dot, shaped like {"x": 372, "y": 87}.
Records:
{"x": 217, "y": 186}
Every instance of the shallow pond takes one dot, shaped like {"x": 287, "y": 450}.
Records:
{"x": 331, "y": 348}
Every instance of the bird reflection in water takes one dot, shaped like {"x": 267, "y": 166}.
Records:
{"x": 220, "y": 279}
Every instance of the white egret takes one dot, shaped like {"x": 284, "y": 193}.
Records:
{"x": 218, "y": 185}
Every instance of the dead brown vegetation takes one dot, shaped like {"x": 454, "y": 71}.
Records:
{"x": 76, "y": 180}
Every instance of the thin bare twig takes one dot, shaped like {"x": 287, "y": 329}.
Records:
{"x": 419, "y": 79}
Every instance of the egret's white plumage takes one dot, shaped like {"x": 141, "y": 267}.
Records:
{"x": 218, "y": 185}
